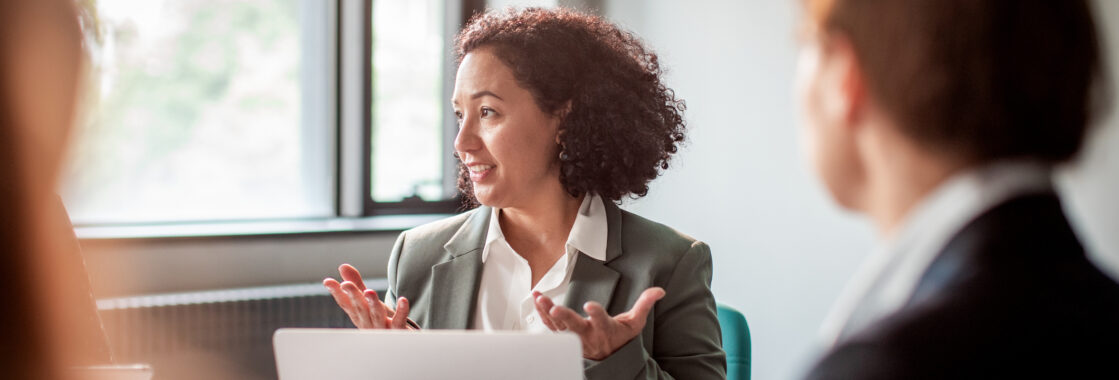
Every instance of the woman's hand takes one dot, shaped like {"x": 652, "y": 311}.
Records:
{"x": 601, "y": 334}
{"x": 363, "y": 306}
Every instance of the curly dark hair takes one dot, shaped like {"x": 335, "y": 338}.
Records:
{"x": 623, "y": 125}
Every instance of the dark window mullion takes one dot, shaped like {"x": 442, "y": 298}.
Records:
{"x": 367, "y": 109}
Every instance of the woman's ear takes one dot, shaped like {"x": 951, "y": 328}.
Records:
{"x": 560, "y": 114}
{"x": 563, "y": 110}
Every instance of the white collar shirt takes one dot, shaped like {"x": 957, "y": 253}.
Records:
{"x": 892, "y": 272}
{"x": 504, "y": 299}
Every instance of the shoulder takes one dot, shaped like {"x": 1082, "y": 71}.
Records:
{"x": 957, "y": 338}
{"x": 943, "y": 339}
{"x": 439, "y": 231}
{"x": 1013, "y": 284}
{"x": 989, "y": 323}
{"x": 421, "y": 247}
{"x": 659, "y": 248}
{"x": 1021, "y": 260}
{"x": 418, "y": 249}
{"x": 1034, "y": 223}
{"x": 638, "y": 231}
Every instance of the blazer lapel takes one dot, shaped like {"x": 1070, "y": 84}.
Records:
{"x": 454, "y": 283}
{"x": 591, "y": 280}
{"x": 594, "y": 280}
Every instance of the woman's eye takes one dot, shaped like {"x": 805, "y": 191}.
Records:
{"x": 487, "y": 112}
{"x": 458, "y": 117}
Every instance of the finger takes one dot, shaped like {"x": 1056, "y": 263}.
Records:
{"x": 545, "y": 303}
{"x": 377, "y": 309}
{"x": 543, "y": 300}
{"x": 340, "y": 297}
{"x": 645, "y": 302}
{"x": 360, "y": 306}
{"x": 542, "y": 310}
{"x": 569, "y": 318}
{"x": 335, "y": 290}
{"x": 373, "y": 299}
{"x": 599, "y": 319}
{"x": 376, "y": 316}
{"x": 400, "y": 318}
{"x": 349, "y": 273}
{"x": 560, "y": 326}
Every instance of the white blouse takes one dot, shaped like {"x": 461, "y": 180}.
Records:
{"x": 504, "y": 299}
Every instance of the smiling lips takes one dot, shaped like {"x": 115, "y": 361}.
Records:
{"x": 479, "y": 171}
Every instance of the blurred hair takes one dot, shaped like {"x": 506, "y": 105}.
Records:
{"x": 980, "y": 79}
{"x": 623, "y": 125}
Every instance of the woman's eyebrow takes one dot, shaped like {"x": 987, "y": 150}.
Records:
{"x": 482, "y": 93}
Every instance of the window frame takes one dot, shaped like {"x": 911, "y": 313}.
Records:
{"x": 457, "y": 13}
{"x": 349, "y": 31}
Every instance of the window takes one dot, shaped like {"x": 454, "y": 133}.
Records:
{"x": 408, "y": 101}
{"x": 222, "y": 110}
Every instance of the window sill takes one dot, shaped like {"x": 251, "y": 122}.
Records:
{"x": 386, "y": 223}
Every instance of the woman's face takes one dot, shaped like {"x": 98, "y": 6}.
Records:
{"x": 506, "y": 141}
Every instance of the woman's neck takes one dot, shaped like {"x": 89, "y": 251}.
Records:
{"x": 542, "y": 225}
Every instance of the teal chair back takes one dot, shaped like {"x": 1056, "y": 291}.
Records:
{"x": 736, "y": 342}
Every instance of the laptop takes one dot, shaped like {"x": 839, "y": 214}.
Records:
{"x": 350, "y": 354}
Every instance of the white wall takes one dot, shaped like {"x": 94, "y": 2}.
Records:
{"x": 782, "y": 252}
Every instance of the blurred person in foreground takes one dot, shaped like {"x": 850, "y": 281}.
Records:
{"x": 561, "y": 115}
{"x": 49, "y": 321}
{"x": 941, "y": 121}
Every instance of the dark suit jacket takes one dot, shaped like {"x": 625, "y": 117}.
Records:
{"x": 1011, "y": 296}
{"x": 438, "y": 267}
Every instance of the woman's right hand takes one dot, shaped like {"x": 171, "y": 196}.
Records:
{"x": 363, "y": 306}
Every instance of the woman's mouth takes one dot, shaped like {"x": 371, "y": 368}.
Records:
{"x": 479, "y": 171}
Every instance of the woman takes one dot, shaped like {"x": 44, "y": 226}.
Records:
{"x": 561, "y": 115}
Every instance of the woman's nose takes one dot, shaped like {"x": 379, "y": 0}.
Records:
{"x": 467, "y": 139}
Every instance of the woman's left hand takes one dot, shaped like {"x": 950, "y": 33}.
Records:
{"x": 600, "y": 333}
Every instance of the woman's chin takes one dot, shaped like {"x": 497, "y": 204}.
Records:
{"x": 486, "y": 196}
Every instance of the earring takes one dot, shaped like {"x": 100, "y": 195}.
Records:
{"x": 563, "y": 156}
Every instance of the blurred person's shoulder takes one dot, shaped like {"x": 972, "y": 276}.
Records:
{"x": 977, "y": 336}
{"x": 1012, "y": 295}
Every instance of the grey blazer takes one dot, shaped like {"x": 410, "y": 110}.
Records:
{"x": 438, "y": 267}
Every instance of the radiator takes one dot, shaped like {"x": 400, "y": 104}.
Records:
{"x": 224, "y": 334}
